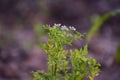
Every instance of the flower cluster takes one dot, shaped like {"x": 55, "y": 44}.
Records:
{"x": 63, "y": 27}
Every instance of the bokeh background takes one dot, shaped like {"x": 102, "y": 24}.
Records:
{"x": 19, "y": 51}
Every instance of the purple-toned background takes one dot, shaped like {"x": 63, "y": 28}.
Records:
{"x": 19, "y": 51}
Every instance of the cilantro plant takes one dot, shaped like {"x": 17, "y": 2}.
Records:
{"x": 65, "y": 64}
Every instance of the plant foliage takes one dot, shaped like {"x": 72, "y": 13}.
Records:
{"x": 64, "y": 64}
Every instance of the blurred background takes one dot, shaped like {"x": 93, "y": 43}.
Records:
{"x": 19, "y": 51}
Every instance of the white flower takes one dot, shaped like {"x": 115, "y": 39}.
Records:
{"x": 64, "y": 28}
{"x": 57, "y": 25}
{"x": 72, "y": 28}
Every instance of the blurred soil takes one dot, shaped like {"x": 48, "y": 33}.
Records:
{"x": 19, "y": 51}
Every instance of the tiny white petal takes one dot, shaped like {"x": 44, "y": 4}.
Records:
{"x": 72, "y": 28}
{"x": 64, "y": 28}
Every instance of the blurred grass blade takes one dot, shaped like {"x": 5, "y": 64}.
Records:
{"x": 117, "y": 57}
{"x": 99, "y": 21}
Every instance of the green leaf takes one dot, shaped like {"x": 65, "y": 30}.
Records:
{"x": 85, "y": 50}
